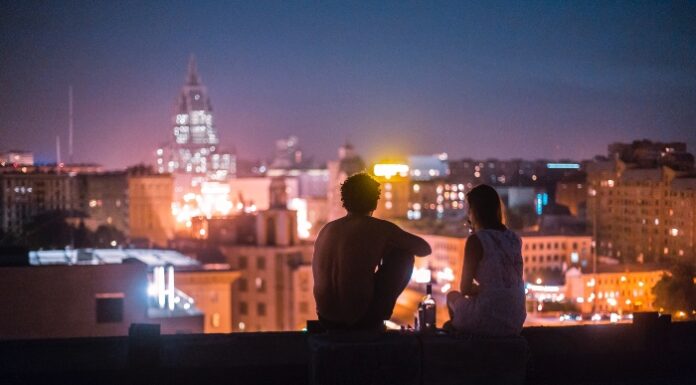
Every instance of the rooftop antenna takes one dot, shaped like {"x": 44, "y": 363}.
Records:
{"x": 57, "y": 150}
{"x": 70, "y": 124}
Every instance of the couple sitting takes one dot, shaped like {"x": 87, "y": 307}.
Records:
{"x": 361, "y": 265}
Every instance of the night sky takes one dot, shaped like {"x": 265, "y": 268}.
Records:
{"x": 529, "y": 79}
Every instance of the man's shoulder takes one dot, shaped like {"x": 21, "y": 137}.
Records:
{"x": 386, "y": 223}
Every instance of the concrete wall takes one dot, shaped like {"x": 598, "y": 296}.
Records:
{"x": 600, "y": 354}
{"x": 60, "y": 301}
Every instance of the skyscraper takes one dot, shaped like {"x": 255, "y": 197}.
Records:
{"x": 194, "y": 149}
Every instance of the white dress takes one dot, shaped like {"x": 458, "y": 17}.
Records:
{"x": 499, "y": 307}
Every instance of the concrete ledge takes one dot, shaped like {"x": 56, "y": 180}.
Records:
{"x": 365, "y": 358}
{"x": 474, "y": 360}
{"x": 593, "y": 354}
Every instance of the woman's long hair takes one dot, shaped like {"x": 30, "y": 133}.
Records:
{"x": 485, "y": 203}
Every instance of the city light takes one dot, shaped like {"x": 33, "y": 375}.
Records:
{"x": 445, "y": 288}
{"x": 421, "y": 275}
{"x": 304, "y": 226}
{"x": 388, "y": 170}
{"x": 445, "y": 274}
{"x": 206, "y": 203}
{"x": 570, "y": 166}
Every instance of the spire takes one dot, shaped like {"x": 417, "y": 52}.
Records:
{"x": 192, "y": 78}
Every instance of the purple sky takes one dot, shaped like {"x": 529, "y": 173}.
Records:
{"x": 496, "y": 79}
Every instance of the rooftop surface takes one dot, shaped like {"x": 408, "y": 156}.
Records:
{"x": 151, "y": 257}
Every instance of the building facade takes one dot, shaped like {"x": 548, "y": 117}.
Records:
{"x": 274, "y": 291}
{"x": 550, "y": 256}
{"x": 642, "y": 214}
{"x": 95, "y": 292}
{"x": 104, "y": 199}
{"x": 23, "y": 195}
{"x": 211, "y": 288}
{"x": 614, "y": 289}
{"x": 395, "y": 198}
{"x": 571, "y": 191}
{"x": 348, "y": 163}
{"x": 274, "y": 288}
{"x": 16, "y": 157}
{"x": 150, "y": 198}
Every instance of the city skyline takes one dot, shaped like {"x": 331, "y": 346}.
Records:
{"x": 508, "y": 81}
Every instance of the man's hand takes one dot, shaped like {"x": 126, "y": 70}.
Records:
{"x": 452, "y": 298}
{"x": 473, "y": 290}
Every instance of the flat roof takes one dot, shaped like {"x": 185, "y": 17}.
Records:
{"x": 151, "y": 257}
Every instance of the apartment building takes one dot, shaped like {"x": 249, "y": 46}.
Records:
{"x": 643, "y": 214}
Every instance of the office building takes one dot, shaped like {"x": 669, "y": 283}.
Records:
{"x": 24, "y": 195}
{"x": 150, "y": 197}
{"x": 194, "y": 154}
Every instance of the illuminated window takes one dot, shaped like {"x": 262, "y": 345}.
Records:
{"x": 260, "y": 285}
{"x": 215, "y": 320}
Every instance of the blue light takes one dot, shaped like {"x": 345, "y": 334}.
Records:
{"x": 545, "y": 198}
{"x": 573, "y": 166}
{"x": 539, "y": 204}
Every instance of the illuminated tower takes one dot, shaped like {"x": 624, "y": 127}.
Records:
{"x": 194, "y": 150}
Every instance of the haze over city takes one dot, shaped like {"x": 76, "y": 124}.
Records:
{"x": 528, "y": 80}
{"x": 375, "y": 192}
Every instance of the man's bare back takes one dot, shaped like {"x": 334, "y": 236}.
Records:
{"x": 347, "y": 254}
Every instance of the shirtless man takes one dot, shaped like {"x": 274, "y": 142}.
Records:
{"x": 361, "y": 264}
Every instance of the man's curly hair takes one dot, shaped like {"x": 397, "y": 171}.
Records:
{"x": 360, "y": 193}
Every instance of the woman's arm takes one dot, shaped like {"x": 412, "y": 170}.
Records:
{"x": 473, "y": 252}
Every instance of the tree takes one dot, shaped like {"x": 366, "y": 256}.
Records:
{"x": 82, "y": 236}
{"x": 49, "y": 230}
{"x": 676, "y": 291}
{"x": 105, "y": 234}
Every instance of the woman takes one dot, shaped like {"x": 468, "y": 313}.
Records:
{"x": 495, "y": 303}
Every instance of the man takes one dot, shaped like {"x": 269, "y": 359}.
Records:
{"x": 361, "y": 264}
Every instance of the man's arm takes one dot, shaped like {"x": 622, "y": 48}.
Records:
{"x": 403, "y": 240}
{"x": 473, "y": 252}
